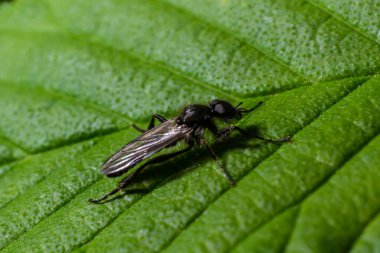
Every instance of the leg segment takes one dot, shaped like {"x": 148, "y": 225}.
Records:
{"x": 151, "y": 123}
{"x": 217, "y": 160}
{"x": 255, "y": 107}
{"x": 138, "y": 128}
{"x": 126, "y": 181}
{"x": 249, "y": 110}
{"x": 227, "y": 131}
{"x": 156, "y": 116}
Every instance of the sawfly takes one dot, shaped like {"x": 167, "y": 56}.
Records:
{"x": 189, "y": 126}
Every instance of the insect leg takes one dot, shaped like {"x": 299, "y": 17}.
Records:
{"x": 212, "y": 127}
{"x": 151, "y": 123}
{"x": 156, "y": 116}
{"x": 239, "y": 104}
{"x": 126, "y": 181}
{"x": 227, "y": 131}
{"x": 138, "y": 128}
{"x": 249, "y": 110}
{"x": 217, "y": 160}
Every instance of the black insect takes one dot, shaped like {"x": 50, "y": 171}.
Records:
{"x": 189, "y": 126}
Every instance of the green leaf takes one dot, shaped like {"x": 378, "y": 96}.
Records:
{"x": 74, "y": 76}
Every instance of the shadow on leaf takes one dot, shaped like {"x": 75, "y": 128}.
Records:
{"x": 172, "y": 169}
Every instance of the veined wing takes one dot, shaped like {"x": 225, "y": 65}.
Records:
{"x": 149, "y": 143}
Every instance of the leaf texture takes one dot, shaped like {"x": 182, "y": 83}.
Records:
{"x": 75, "y": 75}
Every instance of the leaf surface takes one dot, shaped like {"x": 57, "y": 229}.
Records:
{"x": 75, "y": 75}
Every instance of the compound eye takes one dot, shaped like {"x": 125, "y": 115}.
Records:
{"x": 219, "y": 109}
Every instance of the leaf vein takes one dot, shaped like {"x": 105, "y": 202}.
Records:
{"x": 41, "y": 153}
{"x": 342, "y": 20}
{"x": 308, "y": 194}
{"x": 226, "y": 31}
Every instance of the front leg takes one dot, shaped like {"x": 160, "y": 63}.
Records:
{"x": 218, "y": 162}
{"x": 225, "y": 132}
{"x": 212, "y": 127}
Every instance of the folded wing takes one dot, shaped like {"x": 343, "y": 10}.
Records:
{"x": 152, "y": 141}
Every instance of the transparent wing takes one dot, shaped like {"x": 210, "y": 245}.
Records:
{"x": 149, "y": 143}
